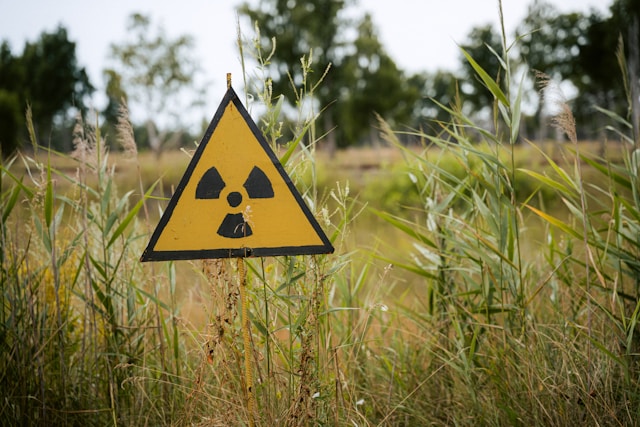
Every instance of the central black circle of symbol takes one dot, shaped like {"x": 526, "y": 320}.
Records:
{"x": 234, "y": 199}
{"x": 257, "y": 186}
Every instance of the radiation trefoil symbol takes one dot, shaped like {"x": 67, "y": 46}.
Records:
{"x": 257, "y": 186}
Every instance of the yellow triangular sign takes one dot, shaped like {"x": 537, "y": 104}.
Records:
{"x": 235, "y": 199}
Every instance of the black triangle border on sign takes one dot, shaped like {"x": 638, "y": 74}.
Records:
{"x": 150, "y": 254}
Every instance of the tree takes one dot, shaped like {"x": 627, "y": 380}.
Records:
{"x": 299, "y": 27}
{"x": 153, "y": 70}
{"x": 628, "y": 12}
{"x": 48, "y": 78}
{"x": 440, "y": 86}
{"x": 116, "y": 99}
{"x": 480, "y": 43}
{"x": 597, "y": 75}
{"x": 549, "y": 43}
{"x": 10, "y": 122}
{"x": 584, "y": 50}
{"x": 116, "y": 95}
{"x": 359, "y": 71}
{"x": 10, "y": 106}
{"x": 376, "y": 85}
{"x": 54, "y": 81}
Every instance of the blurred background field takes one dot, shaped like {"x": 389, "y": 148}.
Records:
{"x": 378, "y": 178}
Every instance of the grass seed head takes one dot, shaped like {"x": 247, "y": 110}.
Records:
{"x": 125, "y": 132}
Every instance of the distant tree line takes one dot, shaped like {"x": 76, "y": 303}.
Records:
{"x": 363, "y": 79}
{"x": 596, "y": 52}
{"x": 47, "y": 78}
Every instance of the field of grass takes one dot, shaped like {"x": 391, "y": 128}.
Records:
{"x": 477, "y": 280}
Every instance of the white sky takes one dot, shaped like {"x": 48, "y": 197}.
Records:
{"x": 420, "y": 35}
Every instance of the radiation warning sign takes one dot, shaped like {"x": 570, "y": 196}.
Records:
{"x": 235, "y": 199}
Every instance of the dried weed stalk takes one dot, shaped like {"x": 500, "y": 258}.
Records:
{"x": 86, "y": 147}
{"x": 563, "y": 119}
{"x": 125, "y": 132}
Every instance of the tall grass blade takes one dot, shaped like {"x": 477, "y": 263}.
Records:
{"x": 486, "y": 79}
{"x": 48, "y": 199}
{"x": 130, "y": 216}
{"x": 11, "y": 203}
{"x": 517, "y": 113}
{"x": 295, "y": 143}
{"x": 556, "y": 222}
{"x": 405, "y": 227}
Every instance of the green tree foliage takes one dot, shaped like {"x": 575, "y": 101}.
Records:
{"x": 376, "y": 85}
{"x": 440, "y": 87}
{"x": 598, "y": 75}
{"x": 10, "y": 106}
{"x": 153, "y": 70}
{"x": 484, "y": 45}
{"x": 298, "y": 27}
{"x": 10, "y": 121}
{"x": 549, "y": 42}
{"x": 601, "y": 79}
{"x": 48, "y": 78}
{"x": 54, "y": 82}
{"x": 360, "y": 71}
{"x": 583, "y": 49}
{"x": 116, "y": 95}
